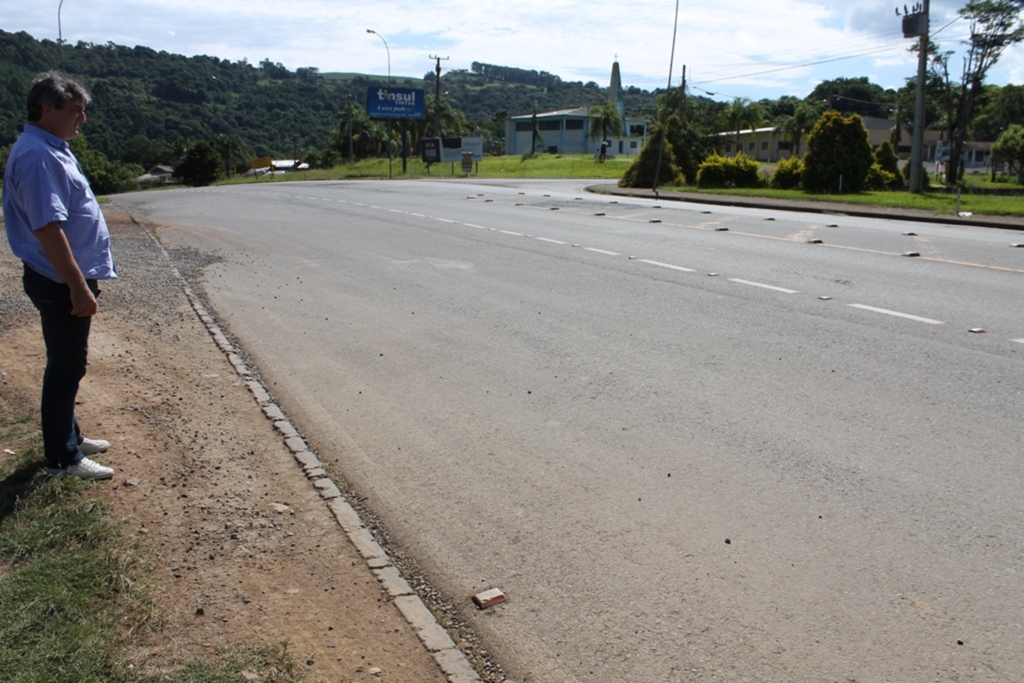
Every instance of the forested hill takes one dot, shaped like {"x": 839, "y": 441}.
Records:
{"x": 146, "y": 102}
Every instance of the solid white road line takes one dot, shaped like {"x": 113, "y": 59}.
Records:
{"x": 601, "y": 251}
{"x": 763, "y": 286}
{"x": 897, "y": 314}
{"x": 546, "y": 239}
{"x": 667, "y": 265}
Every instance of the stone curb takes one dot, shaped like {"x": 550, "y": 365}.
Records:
{"x": 998, "y": 222}
{"x": 434, "y": 638}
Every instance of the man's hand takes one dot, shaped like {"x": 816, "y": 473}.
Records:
{"x": 55, "y": 244}
{"x": 83, "y": 303}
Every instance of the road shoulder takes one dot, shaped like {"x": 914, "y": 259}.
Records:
{"x": 244, "y": 550}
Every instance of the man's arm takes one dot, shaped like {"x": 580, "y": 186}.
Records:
{"x": 57, "y": 249}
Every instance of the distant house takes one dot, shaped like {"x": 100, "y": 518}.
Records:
{"x": 158, "y": 175}
{"x": 568, "y": 131}
{"x": 768, "y": 145}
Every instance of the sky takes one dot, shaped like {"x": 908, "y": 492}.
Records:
{"x": 731, "y": 48}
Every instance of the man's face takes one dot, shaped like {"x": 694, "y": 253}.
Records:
{"x": 63, "y": 122}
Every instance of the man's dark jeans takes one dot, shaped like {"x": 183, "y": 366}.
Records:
{"x": 67, "y": 348}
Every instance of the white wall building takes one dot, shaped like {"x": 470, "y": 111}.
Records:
{"x": 568, "y": 131}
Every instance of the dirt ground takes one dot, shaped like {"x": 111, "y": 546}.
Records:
{"x": 245, "y": 551}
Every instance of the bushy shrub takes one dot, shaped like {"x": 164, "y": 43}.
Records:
{"x": 788, "y": 174}
{"x": 687, "y": 147}
{"x": 200, "y": 166}
{"x": 926, "y": 181}
{"x": 641, "y": 172}
{"x": 105, "y": 176}
{"x": 878, "y": 178}
{"x": 886, "y": 158}
{"x": 839, "y": 155}
{"x": 736, "y": 171}
{"x": 888, "y": 161}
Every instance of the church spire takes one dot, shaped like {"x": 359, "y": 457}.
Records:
{"x": 615, "y": 91}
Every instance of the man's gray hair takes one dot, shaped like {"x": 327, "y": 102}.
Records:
{"x": 54, "y": 89}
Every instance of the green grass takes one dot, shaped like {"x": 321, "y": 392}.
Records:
{"x": 71, "y": 600}
{"x": 585, "y": 167}
{"x": 939, "y": 203}
{"x": 540, "y": 166}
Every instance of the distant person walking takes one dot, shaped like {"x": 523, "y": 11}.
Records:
{"x": 604, "y": 150}
{"x": 55, "y": 226}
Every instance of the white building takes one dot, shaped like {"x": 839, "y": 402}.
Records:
{"x": 568, "y": 131}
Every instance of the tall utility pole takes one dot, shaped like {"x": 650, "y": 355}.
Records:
{"x": 60, "y": 37}
{"x": 437, "y": 95}
{"x": 390, "y": 155}
{"x": 915, "y": 25}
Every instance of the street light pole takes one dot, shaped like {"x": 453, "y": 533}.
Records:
{"x": 370, "y": 30}
{"x": 60, "y": 37}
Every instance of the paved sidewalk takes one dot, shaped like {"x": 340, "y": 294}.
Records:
{"x": 810, "y": 206}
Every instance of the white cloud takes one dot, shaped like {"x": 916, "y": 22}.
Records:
{"x": 735, "y": 47}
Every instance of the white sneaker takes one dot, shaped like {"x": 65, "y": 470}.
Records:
{"x": 83, "y": 469}
{"x": 93, "y": 446}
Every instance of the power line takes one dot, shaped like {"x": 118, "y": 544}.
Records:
{"x": 804, "y": 65}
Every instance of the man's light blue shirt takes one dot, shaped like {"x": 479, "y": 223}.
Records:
{"x": 43, "y": 184}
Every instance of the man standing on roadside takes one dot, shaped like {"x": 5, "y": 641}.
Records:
{"x": 55, "y": 226}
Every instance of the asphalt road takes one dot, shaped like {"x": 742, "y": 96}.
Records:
{"x": 690, "y": 444}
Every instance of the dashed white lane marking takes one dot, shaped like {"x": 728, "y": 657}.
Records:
{"x": 763, "y": 286}
{"x": 1018, "y": 341}
{"x": 897, "y": 314}
{"x": 547, "y": 239}
{"x": 443, "y": 220}
{"x": 509, "y": 232}
{"x": 667, "y": 265}
{"x": 473, "y": 225}
{"x": 601, "y": 251}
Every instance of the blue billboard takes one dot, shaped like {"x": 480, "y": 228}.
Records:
{"x": 394, "y": 103}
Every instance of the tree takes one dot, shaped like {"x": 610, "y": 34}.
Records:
{"x": 851, "y": 96}
{"x": 798, "y": 124}
{"x": 687, "y": 147}
{"x": 999, "y": 109}
{"x": 995, "y": 26}
{"x": 4, "y": 152}
{"x": 605, "y": 120}
{"x": 839, "y": 155}
{"x": 885, "y": 157}
{"x": 1009, "y": 148}
{"x": 888, "y": 161}
{"x": 233, "y": 149}
{"x": 105, "y": 176}
{"x": 742, "y": 112}
{"x": 643, "y": 169}
{"x": 200, "y": 165}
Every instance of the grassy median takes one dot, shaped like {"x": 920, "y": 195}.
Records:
{"x": 585, "y": 167}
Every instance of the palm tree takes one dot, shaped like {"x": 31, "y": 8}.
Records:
{"x": 798, "y": 125}
{"x": 742, "y": 112}
{"x": 605, "y": 120}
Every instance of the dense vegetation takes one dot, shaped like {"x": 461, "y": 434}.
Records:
{"x": 152, "y": 107}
